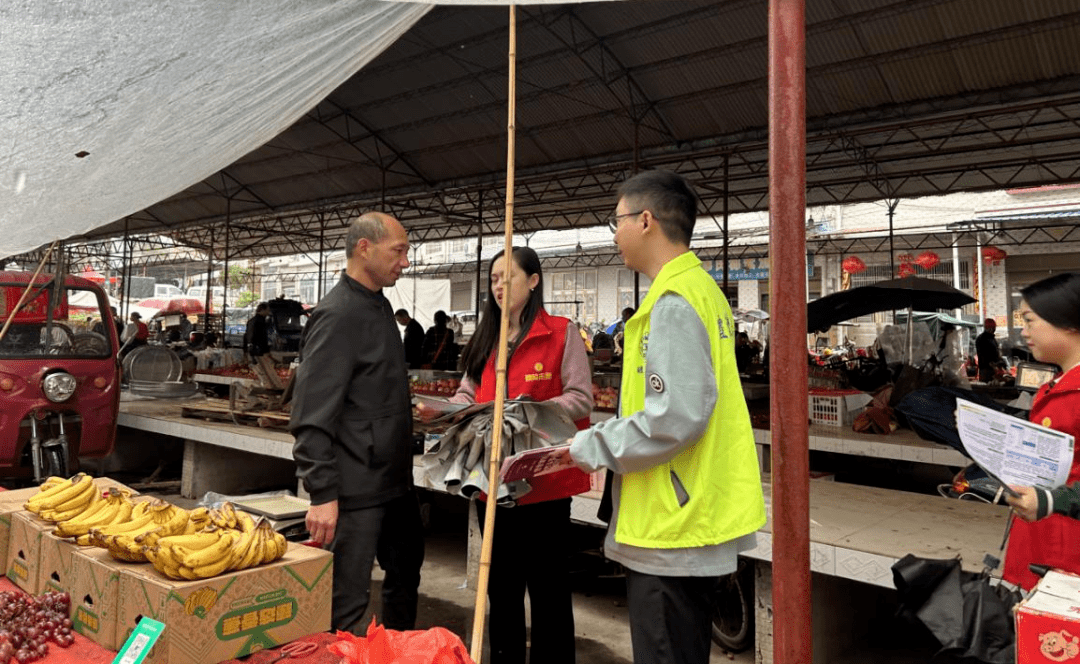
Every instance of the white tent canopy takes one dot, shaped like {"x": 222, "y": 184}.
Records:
{"x": 158, "y": 96}
{"x": 420, "y": 297}
{"x": 109, "y": 107}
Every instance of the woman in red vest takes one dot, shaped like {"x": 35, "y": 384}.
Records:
{"x": 1047, "y": 530}
{"x": 546, "y": 362}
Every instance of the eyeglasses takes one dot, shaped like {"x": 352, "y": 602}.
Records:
{"x": 613, "y": 220}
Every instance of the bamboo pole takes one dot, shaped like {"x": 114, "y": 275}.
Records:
{"x": 480, "y": 613}
{"x": 29, "y": 287}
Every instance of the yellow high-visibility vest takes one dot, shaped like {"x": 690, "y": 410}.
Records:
{"x": 711, "y": 492}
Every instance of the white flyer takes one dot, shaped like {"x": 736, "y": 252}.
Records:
{"x": 1014, "y": 450}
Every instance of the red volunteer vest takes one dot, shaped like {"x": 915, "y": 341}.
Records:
{"x": 1055, "y": 540}
{"x": 535, "y": 369}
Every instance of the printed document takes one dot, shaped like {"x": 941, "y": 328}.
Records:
{"x": 1013, "y": 450}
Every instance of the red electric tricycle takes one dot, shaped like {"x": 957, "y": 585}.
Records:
{"x": 59, "y": 376}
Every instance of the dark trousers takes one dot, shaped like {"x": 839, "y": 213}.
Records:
{"x": 670, "y": 618}
{"x": 530, "y": 553}
{"x": 393, "y": 534}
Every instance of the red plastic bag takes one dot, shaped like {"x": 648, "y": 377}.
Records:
{"x": 387, "y": 646}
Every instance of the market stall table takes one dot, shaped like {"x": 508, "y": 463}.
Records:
{"x": 857, "y": 532}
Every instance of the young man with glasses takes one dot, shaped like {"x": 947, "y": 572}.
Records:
{"x": 685, "y": 485}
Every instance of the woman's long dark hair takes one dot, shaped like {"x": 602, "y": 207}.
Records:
{"x": 476, "y": 353}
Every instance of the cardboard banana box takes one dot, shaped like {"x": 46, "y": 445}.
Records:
{"x": 231, "y": 615}
{"x": 35, "y": 560}
{"x": 24, "y": 550}
{"x": 10, "y": 502}
{"x": 95, "y": 587}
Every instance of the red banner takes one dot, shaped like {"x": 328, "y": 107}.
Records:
{"x": 33, "y": 311}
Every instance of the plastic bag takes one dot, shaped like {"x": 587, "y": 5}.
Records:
{"x": 388, "y": 646}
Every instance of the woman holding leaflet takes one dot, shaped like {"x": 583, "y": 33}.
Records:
{"x": 1046, "y": 529}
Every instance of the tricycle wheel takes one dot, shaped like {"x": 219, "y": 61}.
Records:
{"x": 55, "y": 463}
{"x": 733, "y": 611}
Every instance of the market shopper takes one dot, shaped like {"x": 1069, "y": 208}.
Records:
{"x": 988, "y": 352}
{"x": 547, "y": 362}
{"x": 352, "y": 420}
{"x": 685, "y": 488}
{"x": 439, "y": 350}
{"x": 1045, "y": 529}
{"x": 414, "y": 338}
{"x": 257, "y": 332}
{"x": 135, "y": 334}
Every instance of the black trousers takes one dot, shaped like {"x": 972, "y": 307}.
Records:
{"x": 530, "y": 554}
{"x": 393, "y": 534}
{"x": 670, "y": 618}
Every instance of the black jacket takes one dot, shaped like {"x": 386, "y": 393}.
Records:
{"x": 351, "y": 413}
{"x": 414, "y": 344}
{"x": 439, "y": 349}
{"x": 257, "y": 335}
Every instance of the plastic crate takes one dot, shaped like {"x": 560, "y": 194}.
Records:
{"x": 827, "y": 407}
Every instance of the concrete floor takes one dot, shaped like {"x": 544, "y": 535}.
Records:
{"x": 600, "y": 615}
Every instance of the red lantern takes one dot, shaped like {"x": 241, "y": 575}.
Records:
{"x": 993, "y": 255}
{"x": 927, "y": 260}
{"x": 906, "y": 270}
{"x": 853, "y": 265}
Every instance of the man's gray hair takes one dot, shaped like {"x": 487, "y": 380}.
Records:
{"x": 368, "y": 226}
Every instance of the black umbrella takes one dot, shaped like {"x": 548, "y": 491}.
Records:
{"x": 967, "y": 615}
{"x": 906, "y": 293}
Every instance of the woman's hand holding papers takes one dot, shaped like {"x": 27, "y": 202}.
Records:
{"x": 1026, "y": 505}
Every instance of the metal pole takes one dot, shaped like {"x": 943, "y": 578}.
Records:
{"x": 322, "y": 245}
{"x": 479, "y": 249}
{"x": 727, "y": 158}
{"x": 892, "y": 252}
{"x": 125, "y": 271}
{"x": 226, "y": 280}
{"x": 955, "y": 271}
{"x": 788, "y": 385}
{"x": 979, "y": 268}
{"x": 209, "y": 279}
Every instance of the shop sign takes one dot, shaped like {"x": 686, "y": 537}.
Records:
{"x": 750, "y": 269}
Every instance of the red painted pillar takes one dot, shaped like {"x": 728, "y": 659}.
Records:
{"x": 787, "y": 354}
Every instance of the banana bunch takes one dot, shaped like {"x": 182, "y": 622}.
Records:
{"x": 150, "y": 520}
{"x": 198, "y": 519}
{"x": 64, "y": 499}
{"x": 196, "y": 556}
{"x": 225, "y": 516}
{"x": 258, "y": 544}
{"x": 115, "y": 507}
{"x": 217, "y": 549}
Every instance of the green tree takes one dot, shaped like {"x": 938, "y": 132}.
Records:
{"x": 239, "y": 276}
{"x": 246, "y": 298}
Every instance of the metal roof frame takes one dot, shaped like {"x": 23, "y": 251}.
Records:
{"x": 380, "y": 141}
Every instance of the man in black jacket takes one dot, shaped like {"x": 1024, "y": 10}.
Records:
{"x": 352, "y": 420}
{"x": 257, "y": 334}
{"x": 414, "y": 338}
{"x": 986, "y": 347}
